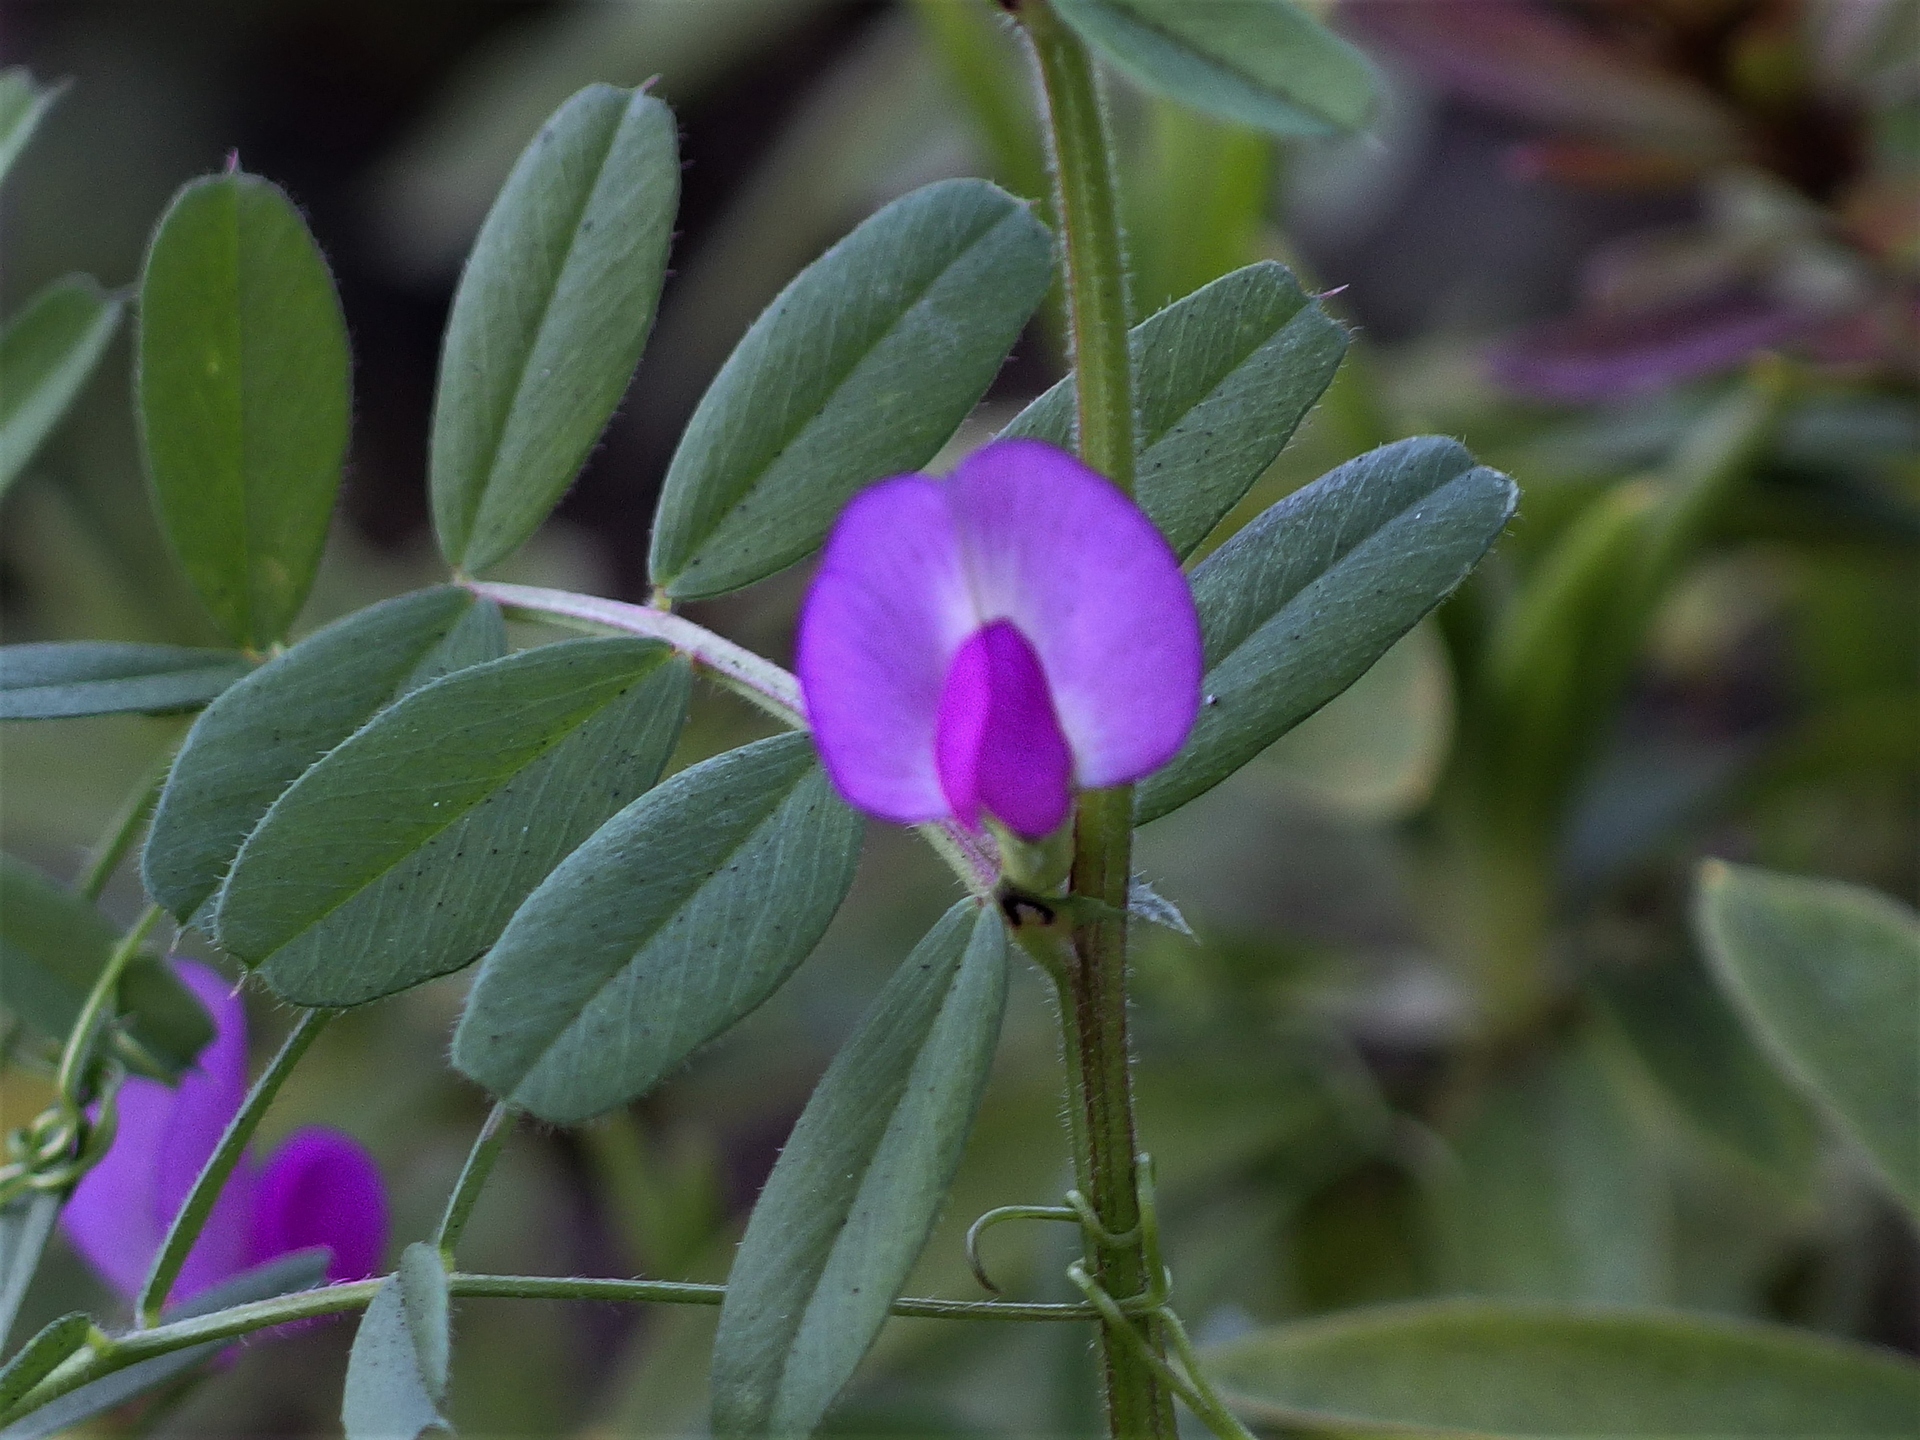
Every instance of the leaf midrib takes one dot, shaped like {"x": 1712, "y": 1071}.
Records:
{"x": 525, "y": 367}
{"x": 627, "y": 684}
{"x": 1342, "y": 555}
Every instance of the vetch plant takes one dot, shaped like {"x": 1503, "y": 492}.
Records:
{"x": 995, "y": 658}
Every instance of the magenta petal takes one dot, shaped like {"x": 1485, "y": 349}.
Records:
{"x": 322, "y": 1188}
{"x": 999, "y": 744}
{"x": 111, "y": 1218}
{"x": 120, "y": 1211}
{"x": 887, "y": 611}
{"x": 1097, "y": 591}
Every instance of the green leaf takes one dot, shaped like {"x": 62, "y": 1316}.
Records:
{"x": 1299, "y": 605}
{"x": 38, "y": 1357}
{"x": 550, "y": 318}
{"x": 302, "y": 1270}
{"x": 53, "y": 946}
{"x": 400, "y": 855}
{"x": 260, "y": 736}
{"x": 26, "y": 1223}
{"x": 1692, "y": 1046}
{"x": 863, "y": 367}
{"x": 1487, "y": 1369}
{"x": 397, "y": 1371}
{"x": 244, "y": 400}
{"x": 1827, "y": 976}
{"x": 47, "y": 352}
{"x": 1221, "y": 380}
{"x": 58, "y": 681}
{"x": 23, "y": 104}
{"x": 1264, "y": 63}
{"x": 1555, "y": 1191}
{"x": 681, "y": 915}
{"x": 849, "y": 1206}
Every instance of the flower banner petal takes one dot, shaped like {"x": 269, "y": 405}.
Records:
{"x": 888, "y": 611}
{"x": 1085, "y": 576}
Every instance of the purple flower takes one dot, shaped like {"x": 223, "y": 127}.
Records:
{"x": 991, "y": 641}
{"x": 320, "y": 1188}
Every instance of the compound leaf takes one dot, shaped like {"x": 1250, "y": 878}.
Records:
{"x": 1264, "y": 63}
{"x": 261, "y": 735}
{"x": 1496, "y": 1370}
{"x": 401, "y": 854}
{"x": 1827, "y": 977}
{"x": 1221, "y": 380}
{"x": 58, "y": 681}
{"x": 397, "y": 1370}
{"x": 24, "y": 102}
{"x": 47, "y": 352}
{"x": 53, "y": 945}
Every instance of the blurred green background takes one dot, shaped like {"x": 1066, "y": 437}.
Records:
{"x": 1503, "y": 818}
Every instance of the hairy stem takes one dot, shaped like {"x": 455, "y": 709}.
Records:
{"x": 124, "y": 830}
{"x": 220, "y": 1165}
{"x": 1094, "y": 1003}
{"x": 473, "y": 1176}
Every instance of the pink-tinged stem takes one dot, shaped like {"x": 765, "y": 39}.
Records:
{"x": 751, "y": 676}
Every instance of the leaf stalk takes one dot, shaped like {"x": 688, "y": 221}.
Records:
{"x": 220, "y": 1165}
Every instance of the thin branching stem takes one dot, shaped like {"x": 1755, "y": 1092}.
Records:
{"x": 473, "y": 1177}
{"x": 734, "y": 667}
{"x": 107, "y": 1354}
{"x": 213, "y": 1176}
{"x": 100, "y": 1006}
{"x": 123, "y": 830}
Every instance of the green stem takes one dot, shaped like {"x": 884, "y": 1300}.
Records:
{"x": 123, "y": 831}
{"x": 101, "y": 1002}
{"x": 187, "y": 1225}
{"x": 118, "y": 1352}
{"x": 1086, "y": 201}
{"x": 473, "y": 1175}
{"x": 1094, "y": 1002}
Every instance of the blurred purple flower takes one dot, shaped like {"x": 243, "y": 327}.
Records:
{"x": 1602, "y": 357}
{"x": 990, "y": 641}
{"x": 319, "y": 1188}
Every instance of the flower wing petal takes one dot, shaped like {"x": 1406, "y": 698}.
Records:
{"x": 1096, "y": 589}
{"x": 887, "y": 612}
{"x": 111, "y": 1218}
{"x": 322, "y": 1188}
{"x": 120, "y": 1211}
